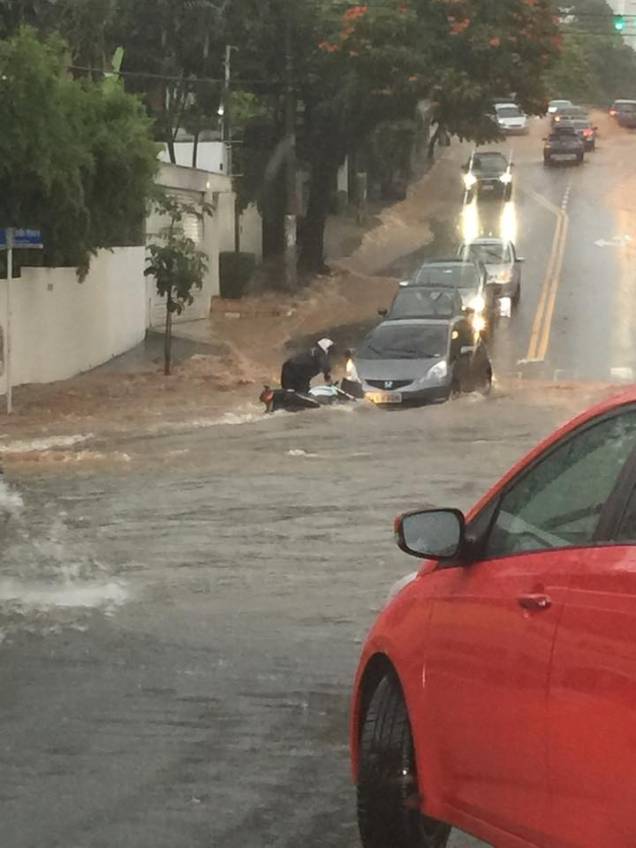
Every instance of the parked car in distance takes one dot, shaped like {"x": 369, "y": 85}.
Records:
{"x": 422, "y": 361}
{"x": 503, "y": 266}
{"x": 510, "y": 119}
{"x": 617, "y": 105}
{"x": 495, "y": 691}
{"x": 554, "y": 105}
{"x": 563, "y": 145}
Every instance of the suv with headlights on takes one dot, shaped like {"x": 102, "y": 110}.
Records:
{"x": 488, "y": 174}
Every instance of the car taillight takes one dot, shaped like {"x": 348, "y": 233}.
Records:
{"x": 267, "y": 395}
{"x": 612, "y": 112}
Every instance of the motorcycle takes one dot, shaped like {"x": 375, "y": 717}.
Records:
{"x": 345, "y": 392}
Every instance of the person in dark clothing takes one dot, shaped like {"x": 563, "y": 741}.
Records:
{"x": 298, "y": 371}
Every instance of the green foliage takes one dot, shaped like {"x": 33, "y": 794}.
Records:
{"x": 76, "y": 158}
{"x": 595, "y": 65}
{"x": 353, "y": 69}
{"x": 174, "y": 262}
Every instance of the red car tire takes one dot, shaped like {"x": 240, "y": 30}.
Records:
{"x": 388, "y": 793}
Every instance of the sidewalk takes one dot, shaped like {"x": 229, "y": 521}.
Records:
{"x": 221, "y": 362}
{"x": 358, "y": 286}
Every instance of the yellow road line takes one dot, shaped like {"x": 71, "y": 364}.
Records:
{"x": 542, "y": 325}
{"x": 549, "y": 314}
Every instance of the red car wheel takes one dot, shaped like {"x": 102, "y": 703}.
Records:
{"x": 388, "y": 793}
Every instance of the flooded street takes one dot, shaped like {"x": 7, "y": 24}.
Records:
{"x": 179, "y": 630}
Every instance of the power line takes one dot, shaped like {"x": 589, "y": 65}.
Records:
{"x": 193, "y": 80}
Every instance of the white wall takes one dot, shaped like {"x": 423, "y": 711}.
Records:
{"x": 61, "y": 327}
{"x": 251, "y": 227}
{"x": 193, "y": 186}
{"x": 211, "y": 155}
{"x": 213, "y": 235}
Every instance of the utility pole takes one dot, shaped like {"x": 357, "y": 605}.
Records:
{"x": 291, "y": 210}
{"x": 7, "y": 360}
{"x": 227, "y": 138}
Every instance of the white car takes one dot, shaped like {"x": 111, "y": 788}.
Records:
{"x": 510, "y": 118}
{"x": 502, "y": 264}
{"x": 555, "y": 105}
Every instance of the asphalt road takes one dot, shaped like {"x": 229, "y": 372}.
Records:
{"x": 577, "y": 231}
{"x": 178, "y": 633}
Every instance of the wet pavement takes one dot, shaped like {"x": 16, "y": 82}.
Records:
{"x": 182, "y": 606}
{"x": 179, "y": 635}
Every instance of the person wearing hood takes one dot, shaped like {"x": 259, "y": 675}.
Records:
{"x": 298, "y": 371}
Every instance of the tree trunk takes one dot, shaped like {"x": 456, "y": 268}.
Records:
{"x": 312, "y": 250}
{"x": 167, "y": 342}
{"x": 195, "y": 148}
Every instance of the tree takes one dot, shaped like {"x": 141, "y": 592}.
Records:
{"x": 76, "y": 157}
{"x": 373, "y": 63}
{"x": 595, "y": 65}
{"x": 176, "y": 264}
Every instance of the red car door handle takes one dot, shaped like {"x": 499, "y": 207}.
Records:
{"x": 535, "y": 602}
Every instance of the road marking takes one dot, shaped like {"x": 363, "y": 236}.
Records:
{"x": 617, "y": 241}
{"x": 625, "y": 375}
{"x": 542, "y": 325}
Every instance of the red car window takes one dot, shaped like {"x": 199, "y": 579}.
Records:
{"x": 559, "y": 501}
{"x": 627, "y": 527}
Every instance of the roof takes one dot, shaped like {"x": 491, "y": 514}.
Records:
{"x": 416, "y": 322}
{"x": 452, "y": 260}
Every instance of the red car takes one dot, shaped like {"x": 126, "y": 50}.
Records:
{"x": 497, "y": 690}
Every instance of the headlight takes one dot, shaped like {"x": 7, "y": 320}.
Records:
{"x": 351, "y": 371}
{"x": 470, "y": 180}
{"x": 501, "y": 277}
{"x": 506, "y": 178}
{"x": 478, "y": 303}
{"x": 439, "y": 371}
{"x": 479, "y": 323}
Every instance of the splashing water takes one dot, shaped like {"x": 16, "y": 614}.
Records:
{"x": 49, "y": 579}
{"x": 44, "y": 444}
{"x": 11, "y": 503}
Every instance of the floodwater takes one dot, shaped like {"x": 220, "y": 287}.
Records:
{"x": 179, "y": 632}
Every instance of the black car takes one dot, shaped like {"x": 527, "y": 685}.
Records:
{"x": 617, "y": 105}
{"x": 487, "y": 174}
{"x": 565, "y": 114}
{"x": 413, "y": 301}
{"x": 626, "y": 115}
{"x": 563, "y": 145}
{"x": 586, "y": 130}
{"x": 465, "y": 277}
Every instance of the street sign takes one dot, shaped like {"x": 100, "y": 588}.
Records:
{"x": 10, "y": 240}
{"x": 24, "y": 239}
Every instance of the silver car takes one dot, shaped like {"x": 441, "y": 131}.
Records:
{"x": 503, "y": 265}
{"x": 422, "y": 360}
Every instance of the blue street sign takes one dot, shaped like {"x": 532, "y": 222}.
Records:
{"x": 22, "y": 239}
